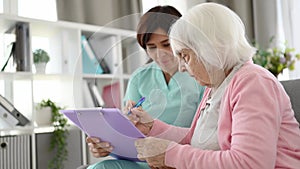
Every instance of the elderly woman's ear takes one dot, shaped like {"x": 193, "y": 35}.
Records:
{"x": 185, "y": 55}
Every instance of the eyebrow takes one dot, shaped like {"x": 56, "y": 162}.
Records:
{"x": 164, "y": 41}
{"x": 167, "y": 40}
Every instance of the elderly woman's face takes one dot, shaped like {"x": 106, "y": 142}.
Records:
{"x": 188, "y": 62}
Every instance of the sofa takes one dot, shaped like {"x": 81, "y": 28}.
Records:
{"x": 292, "y": 87}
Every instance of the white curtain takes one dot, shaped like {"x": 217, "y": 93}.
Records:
{"x": 279, "y": 18}
{"x": 290, "y": 14}
{"x": 264, "y": 17}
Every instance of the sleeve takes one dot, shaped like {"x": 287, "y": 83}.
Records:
{"x": 252, "y": 118}
{"x": 169, "y": 132}
{"x": 179, "y": 135}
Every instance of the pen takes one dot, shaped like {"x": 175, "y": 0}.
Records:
{"x": 139, "y": 103}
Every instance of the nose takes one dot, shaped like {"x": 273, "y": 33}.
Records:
{"x": 161, "y": 52}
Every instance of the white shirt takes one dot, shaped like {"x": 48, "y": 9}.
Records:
{"x": 205, "y": 134}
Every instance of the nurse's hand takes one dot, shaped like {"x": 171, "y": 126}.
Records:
{"x": 140, "y": 118}
{"x": 98, "y": 148}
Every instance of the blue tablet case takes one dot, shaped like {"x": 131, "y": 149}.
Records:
{"x": 108, "y": 124}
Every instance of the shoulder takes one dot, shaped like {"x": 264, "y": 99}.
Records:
{"x": 146, "y": 71}
{"x": 250, "y": 71}
{"x": 254, "y": 78}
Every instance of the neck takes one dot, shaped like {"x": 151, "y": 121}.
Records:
{"x": 219, "y": 80}
{"x": 167, "y": 77}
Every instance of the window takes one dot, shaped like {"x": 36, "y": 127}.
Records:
{"x": 290, "y": 14}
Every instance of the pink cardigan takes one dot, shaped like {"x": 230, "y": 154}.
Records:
{"x": 256, "y": 129}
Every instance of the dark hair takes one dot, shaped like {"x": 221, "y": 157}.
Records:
{"x": 157, "y": 17}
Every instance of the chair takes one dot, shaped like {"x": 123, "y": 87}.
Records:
{"x": 292, "y": 87}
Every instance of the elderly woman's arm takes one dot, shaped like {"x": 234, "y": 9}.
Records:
{"x": 248, "y": 129}
{"x": 156, "y": 128}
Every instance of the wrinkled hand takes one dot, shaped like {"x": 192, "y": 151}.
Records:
{"x": 98, "y": 148}
{"x": 152, "y": 150}
{"x": 140, "y": 118}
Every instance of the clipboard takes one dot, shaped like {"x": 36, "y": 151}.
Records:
{"x": 110, "y": 125}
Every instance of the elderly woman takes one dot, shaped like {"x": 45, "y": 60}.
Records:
{"x": 245, "y": 119}
{"x": 171, "y": 96}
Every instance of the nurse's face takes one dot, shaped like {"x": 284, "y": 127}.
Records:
{"x": 188, "y": 62}
{"x": 159, "y": 49}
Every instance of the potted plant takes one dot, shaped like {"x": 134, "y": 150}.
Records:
{"x": 43, "y": 115}
{"x": 40, "y": 60}
{"x": 58, "y": 142}
{"x": 276, "y": 59}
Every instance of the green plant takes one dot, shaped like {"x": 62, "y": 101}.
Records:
{"x": 58, "y": 141}
{"x": 276, "y": 59}
{"x": 40, "y": 56}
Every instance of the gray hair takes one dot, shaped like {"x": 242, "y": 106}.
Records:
{"x": 215, "y": 33}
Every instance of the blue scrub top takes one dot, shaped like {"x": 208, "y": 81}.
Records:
{"x": 174, "y": 103}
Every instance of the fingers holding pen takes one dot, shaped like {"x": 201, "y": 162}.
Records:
{"x": 129, "y": 105}
{"x": 140, "y": 115}
{"x": 133, "y": 116}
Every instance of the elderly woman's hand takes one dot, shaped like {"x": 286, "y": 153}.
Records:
{"x": 152, "y": 150}
{"x": 98, "y": 148}
{"x": 140, "y": 118}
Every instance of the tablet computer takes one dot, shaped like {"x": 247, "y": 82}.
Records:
{"x": 108, "y": 124}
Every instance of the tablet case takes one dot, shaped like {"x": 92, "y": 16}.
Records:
{"x": 109, "y": 125}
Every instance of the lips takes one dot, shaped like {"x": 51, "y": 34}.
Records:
{"x": 165, "y": 61}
